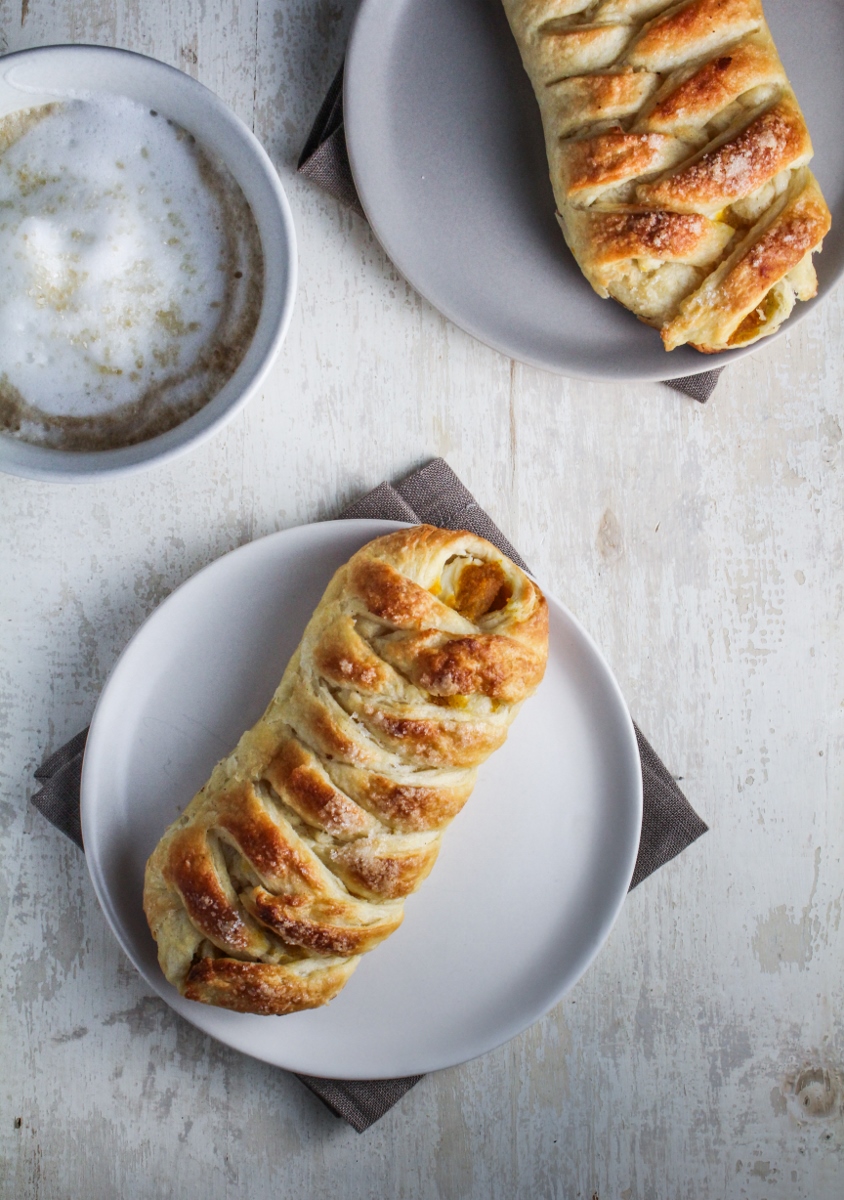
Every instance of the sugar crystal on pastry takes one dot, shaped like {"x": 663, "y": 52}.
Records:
{"x": 653, "y": 108}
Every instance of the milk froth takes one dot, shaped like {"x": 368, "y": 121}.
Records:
{"x": 132, "y": 274}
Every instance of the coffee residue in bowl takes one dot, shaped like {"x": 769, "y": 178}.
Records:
{"x": 133, "y": 274}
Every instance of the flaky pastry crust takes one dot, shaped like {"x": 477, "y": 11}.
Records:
{"x": 679, "y": 161}
{"x": 296, "y": 856}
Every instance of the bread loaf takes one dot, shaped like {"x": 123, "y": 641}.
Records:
{"x": 679, "y": 161}
{"x": 296, "y": 856}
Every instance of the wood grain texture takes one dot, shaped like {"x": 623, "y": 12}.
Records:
{"x": 703, "y": 1053}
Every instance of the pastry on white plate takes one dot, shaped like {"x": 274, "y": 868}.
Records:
{"x": 296, "y": 856}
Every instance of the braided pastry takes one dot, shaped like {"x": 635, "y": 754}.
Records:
{"x": 678, "y": 157}
{"x": 296, "y": 856}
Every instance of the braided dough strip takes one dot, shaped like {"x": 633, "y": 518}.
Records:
{"x": 296, "y": 856}
{"x": 678, "y": 156}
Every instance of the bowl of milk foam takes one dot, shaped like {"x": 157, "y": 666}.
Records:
{"x": 148, "y": 261}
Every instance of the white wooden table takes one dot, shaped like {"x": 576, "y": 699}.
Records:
{"x": 703, "y": 1054}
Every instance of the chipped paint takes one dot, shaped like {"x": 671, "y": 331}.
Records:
{"x": 782, "y": 938}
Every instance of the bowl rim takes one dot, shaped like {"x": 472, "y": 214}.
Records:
{"x": 278, "y": 242}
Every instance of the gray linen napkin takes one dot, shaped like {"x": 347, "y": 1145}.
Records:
{"x": 436, "y": 496}
{"x": 325, "y": 161}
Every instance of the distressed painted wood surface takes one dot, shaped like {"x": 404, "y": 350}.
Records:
{"x": 702, "y": 1055}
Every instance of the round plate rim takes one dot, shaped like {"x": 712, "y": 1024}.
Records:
{"x": 97, "y": 744}
{"x": 365, "y": 174}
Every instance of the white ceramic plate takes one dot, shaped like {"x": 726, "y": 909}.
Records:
{"x": 531, "y": 875}
{"x": 446, "y": 148}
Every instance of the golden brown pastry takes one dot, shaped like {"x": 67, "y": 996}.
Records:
{"x": 678, "y": 157}
{"x": 296, "y": 856}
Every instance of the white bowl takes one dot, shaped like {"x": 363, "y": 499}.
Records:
{"x": 33, "y": 77}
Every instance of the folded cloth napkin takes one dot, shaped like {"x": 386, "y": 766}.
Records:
{"x": 325, "y": 160}
{"x": 436, "y": 496}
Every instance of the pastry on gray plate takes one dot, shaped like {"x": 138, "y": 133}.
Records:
{"x": 296, "y": 856}
{"x": 679, "y": 161}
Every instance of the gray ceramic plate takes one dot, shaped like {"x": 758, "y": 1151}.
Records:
{"x": 466, "y": 971}
{"x": 446, "y": 148}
